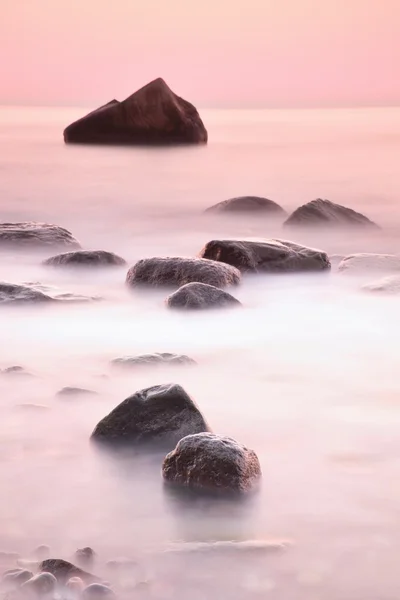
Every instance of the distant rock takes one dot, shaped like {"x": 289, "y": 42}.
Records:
{"x": 38, "y": 235}
{"x": 152, "y": 115}
{"x": 85, "y": 557}
{"x": 68, "y": 392}
{"x": 156, "y": 359}
{"x": 173, "y": 272}
{"x": 64, "y": 570}
{"x": 370, "y": 263}
{"x": 385, "y": 285}
{"x": 12, "y": 293}
{"x": 248, "y": 204}
{"x": 160, "y": 415}
{"x": 15, "y": 370}
{"x": 269, "y": 256}
{"x": 324, "y": 212}
{"x": 212, "y": 462}
{"x": 197, "y": 296}
{"x": 86, "y": 258}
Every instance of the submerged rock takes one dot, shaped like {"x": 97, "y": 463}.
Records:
{"x": 85, "y": 556}
{"x": 269, "y": 256}
{"x": 324, "y": 212}
{"x": 248, "y": 204}
{"x": 197, "y": 296}
{"x": 14, "y": 578}
{"x": 179, "y": 271}
{"x": 75, "y": 584}
{"x": 385, "y": 285}
{"x": 38, "y": 235}
{"x": 64, "y": 570}
{"x": 97, "y": 591}
{"x": 156, "y": 359}
{"x": 16, "y": 370}
{"x": 86, "y": 258}
{"x": 13, "y": 293}
{"x": 160, "y": 415}
{"x": 67, "y": 392}
{"x": 40, "y": 585}
{"x": 42, "y": 551}
{"x": 370, "y": 263}
{"x": 212, "y": 462}
{"x": 152, "y": 115}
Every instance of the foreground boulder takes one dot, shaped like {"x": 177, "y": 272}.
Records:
{"x": 40, "y": 585}
{"x": 156, "y": 359}
{"x": 160, "y": 415}
{"x": 197, "y": 296}
{"x": 212, "y": 462}
{"x": 35, "y": 235}
{"x": 325, "y": 212}
{"x": 179, "y": 271}
{"x": 248, "y": 204}
{"x": 152, "y": 115}
{"x": 385, "y": 285}
{"x": 266, "y": 255}
{"x": 64, "y": 570}
{"x": 370, "y": 263}
{"x": 86, "y": 258}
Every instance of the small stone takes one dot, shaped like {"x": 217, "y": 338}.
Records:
{"x": 97, "y": 591}
{"x": 200, "y": 296}
{"x": 85, "y": 556}
{"x": 75, "y": 584}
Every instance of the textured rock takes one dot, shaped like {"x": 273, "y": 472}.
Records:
{"x": 197, "y": 296}
{"x": 34, "y": 293}
{"x": 324, "y": 212}
{"x": 385, "y": 285}
{"x": 248, "y": 204}
{"x": 212, "y": 462}
{"x": 86, "y": 258}
{"x": 179, "y": 271}
{"x": 370, "y": 263}
{"x": 159, "y": 415}
{"x": 152, "y": 115}
{"x": 156, "y": 359}
{"x": 64, "y": 570}
{"x": 272, "y": 256}
{"x": 39, "y": 235}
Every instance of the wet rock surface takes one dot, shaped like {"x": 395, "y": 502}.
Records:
{"x": 268, "y": 256}
{"x": 200, "y": 296}
{"x": 321, "y": 212}
{"x": 158, "y": 416}
{"x": 32, "y": 234}
{"x": 172, "y": 272}
{"x": 155, "y": 359}
{"x": 86, "y": 258}
{"x": 153, "y": 115}
{"x": 247, "y": 204}
{"x": 207, "y": 461}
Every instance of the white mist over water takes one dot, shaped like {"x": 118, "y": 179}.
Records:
{"x": 306, "y": 373}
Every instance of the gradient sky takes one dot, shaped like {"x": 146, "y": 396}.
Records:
{"x": 234, "y": 53}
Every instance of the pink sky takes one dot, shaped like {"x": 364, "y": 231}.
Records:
{"x": 236, "y": 53}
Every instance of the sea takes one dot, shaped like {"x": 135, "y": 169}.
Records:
{"x": 306, "y": 373}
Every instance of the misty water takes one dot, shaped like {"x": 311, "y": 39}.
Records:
{"x": 306, "y": 373}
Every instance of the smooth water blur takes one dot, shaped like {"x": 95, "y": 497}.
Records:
{"x": 306, "y": 373}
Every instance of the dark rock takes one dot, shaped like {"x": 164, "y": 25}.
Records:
{"x": 160, "y": 415}
{"x": 86, "y": 258}
{"x": 198, "y": 296}
{"x": 212, "y": 462}
{"x": 11, "y": 293}
{"x": 152, "y": 115}
{"x": 41, "y": 584}
{"x": 74, "y": 391}
{"x": 270, "y": 256}
{"x": 248, "y": 204}
{"x": 96, "y": 591}
{"x": 64, "y": 570}
{"x": 16, "y": 370}
{"x": 85, "y": 556}
{"x": 156, "y": 359}
{"x": 370, "y": 263}
{"x": 324, "y": 212}
{"x": 179, "y": 271}
{"x": 38, "y": 235}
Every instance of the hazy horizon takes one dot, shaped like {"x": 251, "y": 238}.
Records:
{"x": 258, "y": 54}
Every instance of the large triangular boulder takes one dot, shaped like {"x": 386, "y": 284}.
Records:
{"x": 152, "y": 115}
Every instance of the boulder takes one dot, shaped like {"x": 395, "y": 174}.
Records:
{"x": 86, "y": 258}
{"x": 269, "y": 256}
{"x": 197, "y": 296}
{"x": 174, "y": 272}
{"x": 34, "y": 293}
{"x": 40, "y": 585}
{"x": 97, "y": 591}
{"x": 160, "y": 415}
{"x": 385, "y": 285}
{"x": 248, "y": 204}
{"x": 152, "y": 115}
{"x": 85, "y": 556}
{"x": 35, "y": 235}
{"x": 324, "y": 212}
{"x": 64, "y": 570}
{"x": 14, "y": 578}
{"x": 156, "y": 359}
{"x": 370, "y": 263}
{"x": 212, "y": 462}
